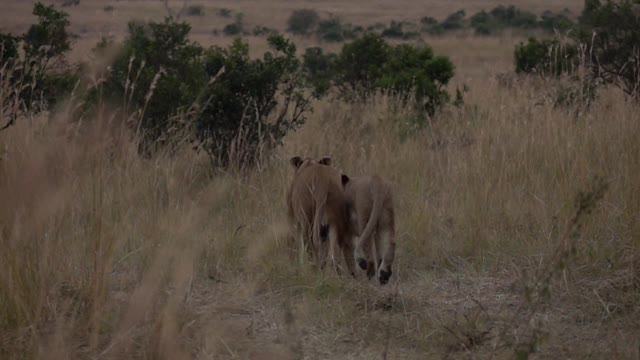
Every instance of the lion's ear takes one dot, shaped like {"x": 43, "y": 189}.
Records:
{"x": 345, "y": 180}
{"x": 295, "y": 161}
{"x": 325, "y": 161}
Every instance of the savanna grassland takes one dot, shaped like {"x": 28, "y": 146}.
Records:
{"x": 518, "y": 232}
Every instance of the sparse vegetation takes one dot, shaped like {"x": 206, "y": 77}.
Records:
{"x": 303, "y": 22}
{"x": 397, "y": 30}
{"x": 235, "y": 28}
{"x": 195, "y": 10}
{"x": 67, "y": 3}
{"x": 263, "y": 30}
{"x": 334, "y": 30}
{"x": 552, "y": 22}
{"x": 224, "y": 12}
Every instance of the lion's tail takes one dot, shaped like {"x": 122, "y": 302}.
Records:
{"x": 376, "y": 210}
{"x": 318, "y": 230}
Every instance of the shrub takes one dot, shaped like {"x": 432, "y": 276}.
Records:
{"x": 263, "y": 30}
{"x": 361, "y": 64}
{"x": 574, "y": 93}
{"x": 455, "y": 21}
{"x": 67, "y": 3}
{"x": 35, "y": 61}
{"x": 235, "y": 28}
{"x": 370, "y": 64}
{"x": 195, "y": 10}
{"x": 376, "y": 27}
{"x": 546, "y": 57}
{"x": 551, "y": 22}
{"x": 8, "y": 48}
{"x": 319, "y": 69}
{"x": 415, "y": 71}
{"x": 181, "y": 85}
{"x": 160, "y": 71}
{"x": 238, "y": 124}
{"x": 232, "y": 29}
{"x": 395, "y": 30}
{"x": 428, "y": 21}
{"x": 224, "y": 12}
{"x": 333, "y": 30}
{"x": 483, "y": 23}
{"x": 501, "y": 17}
{"x": 512, "y": 17}
{"x": 611, "y": 29}
{"x": 430, "y": 25}
{"x": 303, "y": 22}
{"x": 49, "y": 37}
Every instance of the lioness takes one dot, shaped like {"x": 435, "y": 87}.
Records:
{"x": 316, "y": 205}
{"x": 371, "y": 212}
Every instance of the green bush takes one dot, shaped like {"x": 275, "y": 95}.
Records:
{"x": 181, "y": 85}
{"x": 8, "y": 49}
{"x": 48, "y": 38}
{"x": 483, "y": 23}
{"x": 319, "y": 69}
{"x": 303, "y": 22}
{"x": 235, "y": 28}
{"x": 396, "y": 30}
{"x": 428, "y": 21}
{"x": 224, "y": 12}
{"x": 238, "y": 123}
{"x": 546, "y": 57}
{"x": 369, "y": 64}
{"x": 500, "y": 18}
{"x": 195, "y": 10}
{"x": 551, "y": 22}
{"x": 39, "y": 76}
{"x": 455, "y": 21}
{"x": 171, "y": 76}
{"x": 67, "y": 3}
{"x": 611, "y": 30}
{"x": 334, "y": 30}
{"x": 512, "y": 17}
{"x": 263, "y": 31}
{"x": 361, "y": 64}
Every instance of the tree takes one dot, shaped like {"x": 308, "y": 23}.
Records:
{"x": 235, "y": 106}
{"x": 34, "y": 63}
{"x": 611, "y": 29}
{"x": 369, "y": 64}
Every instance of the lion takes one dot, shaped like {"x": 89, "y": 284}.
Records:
{"x": 372, "y": 215}
{"x": 316, "y": 206}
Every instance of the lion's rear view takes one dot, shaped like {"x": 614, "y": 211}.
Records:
{"x": 316, "y": 204}
{"x": 370, "y": 202}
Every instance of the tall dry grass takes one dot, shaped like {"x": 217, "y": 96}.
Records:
{"x": 109, "y": 255}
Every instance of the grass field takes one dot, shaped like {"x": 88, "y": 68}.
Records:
{"x": 518, "y": 227}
